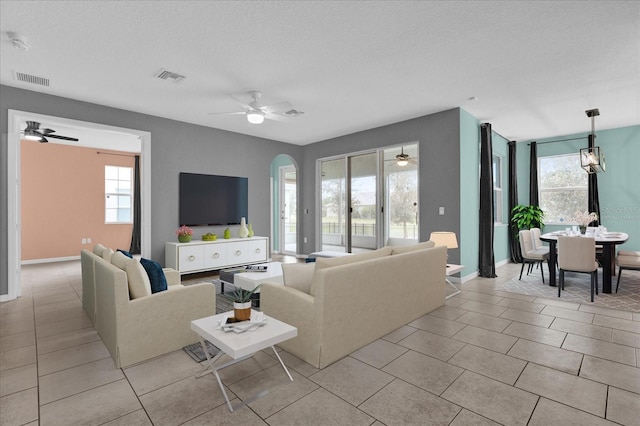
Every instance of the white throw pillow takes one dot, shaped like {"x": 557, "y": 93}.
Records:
{"x": 106, "y": 254}
{"x": 98, "y": 249}
{"x": 407, "y": 249}
{"x": 139, "y": 284}
{"x": 298, "y": 275}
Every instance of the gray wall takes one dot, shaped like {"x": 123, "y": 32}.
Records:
{"x": 175, "y": 147}
{"x": 438, "y": 136}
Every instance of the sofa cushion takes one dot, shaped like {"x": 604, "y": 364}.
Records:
{"x": 407, "y": 249}
{"x": 126, "y": 253}
{"x": 97, "y": 249}
{"x": 139, "y": 284}
{"x": 298, "y": 275}
{"x": 323, "y": 262}
{"x": 106, "y": 254}
{"x": 156, "y": 275}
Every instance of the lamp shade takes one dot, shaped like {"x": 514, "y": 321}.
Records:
{"x": 444, "y": 238}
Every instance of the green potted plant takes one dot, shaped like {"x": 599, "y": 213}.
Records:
{"x": 526, "y": 217}
{"x": 241, "y": 299}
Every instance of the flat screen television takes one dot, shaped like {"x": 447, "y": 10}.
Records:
{"x": 207, "y": 200}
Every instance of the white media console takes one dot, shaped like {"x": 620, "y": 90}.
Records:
{"x": 198, "y": 256}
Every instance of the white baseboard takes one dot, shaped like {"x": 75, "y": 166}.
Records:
{"x": 51, "y": 260}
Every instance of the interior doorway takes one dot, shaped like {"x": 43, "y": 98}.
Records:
{"x": 288, "y": 209}
{"x": 94, "y": 135}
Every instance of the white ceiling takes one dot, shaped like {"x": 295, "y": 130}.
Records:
{"x": 534, "y": 67}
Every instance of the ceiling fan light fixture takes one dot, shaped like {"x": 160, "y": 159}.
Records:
{"x": 402, "y": 162}
{"x": 31, "y": 136}
{"x": 255, "y": 117}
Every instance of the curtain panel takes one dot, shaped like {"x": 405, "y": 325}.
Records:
{"x": 514, "y": 246}
{"x": 486, "y": 261}
{"x": 533, "y": 175}
{"x": 135, "y": 247}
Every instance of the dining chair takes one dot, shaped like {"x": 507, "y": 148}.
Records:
{"x": 578, "y": 254}
{"x": 531, "y": 255}
{"x": 627, "y": 260}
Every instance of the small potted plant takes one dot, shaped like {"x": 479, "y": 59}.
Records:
{"x": 242, "y": 302}
{"x": 184, "y": 234}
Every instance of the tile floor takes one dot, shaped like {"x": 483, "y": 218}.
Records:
{"x": 487, "y": 357}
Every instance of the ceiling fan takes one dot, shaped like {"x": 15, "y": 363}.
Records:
{"x": 403, "y": 159}
{"x": 256, "y": 112}
{"x": 33, "y": 133}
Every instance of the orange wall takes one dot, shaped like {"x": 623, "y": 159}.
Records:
{"x": 62, "y": 196}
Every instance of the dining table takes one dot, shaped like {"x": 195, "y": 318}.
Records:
{"x": 608, "y": 241}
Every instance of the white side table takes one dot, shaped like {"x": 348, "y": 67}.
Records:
{"x": 240, "y": 346}
{"x": 453, "y": 269}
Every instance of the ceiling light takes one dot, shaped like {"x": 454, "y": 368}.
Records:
{"x": 402, "y": 162}
{"x": 255, "y": 117}
{"x": 31, "y": 135}
{"x": 592, "y": 158}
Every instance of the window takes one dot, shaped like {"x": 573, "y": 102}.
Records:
{"x": 118, "y": 194}
{"x": 497, "y": 189}
{"x": 562, "y": 187}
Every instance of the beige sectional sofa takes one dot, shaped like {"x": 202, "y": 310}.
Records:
{"x": 354, "y": 300}
{"x": 138, "y": 328}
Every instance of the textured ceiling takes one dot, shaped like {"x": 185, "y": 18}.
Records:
{"x": 534, "y": 67}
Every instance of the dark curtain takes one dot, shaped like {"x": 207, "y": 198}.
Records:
{"x": 593, "y": 204}
{"x": 533, "y": 175}
{"x": 135, "y": 235}
{"x": 486, "y": 263}
{"x": 514, "y": 246}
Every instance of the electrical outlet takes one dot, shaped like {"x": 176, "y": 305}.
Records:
{"x": 88, "y": 240}
{"x": 305, "y": 240}
{"x": 84, "y": 241}
{"x": 441, "y": 211}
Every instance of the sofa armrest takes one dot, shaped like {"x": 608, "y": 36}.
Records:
{"x": 160, "y": 323}
{"x": 173, "y": 276}
{"x": 296, "y": 308}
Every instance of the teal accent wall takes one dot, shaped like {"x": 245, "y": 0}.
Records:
{"x": 501, "y": 231}
{"x": 618, "y": 187}
{"x": 279, "y": 161}
{"x": 469, "y": 192}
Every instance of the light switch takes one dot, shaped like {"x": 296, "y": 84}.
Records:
{"x": 441, "y": 211}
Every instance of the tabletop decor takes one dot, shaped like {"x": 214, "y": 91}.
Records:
{"x": 184, "y": 234}
{"x": 243, "y": 231}
{"x": 583, "y": 219}
{"x": 242, "y": 302}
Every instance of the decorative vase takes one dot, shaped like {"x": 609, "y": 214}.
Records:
{"x": 243, "y": 232}
{"x": 250, "y": 231}
{"x": 583, "y": 229}
{"x": 242, "y": 311}
{"x": 184, "y": 238}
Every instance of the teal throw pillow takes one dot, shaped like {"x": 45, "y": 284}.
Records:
{"x": 156, "y": 275}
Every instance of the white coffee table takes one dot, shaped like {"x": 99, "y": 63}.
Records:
{"x": 452, "y": 269}
{"x": 250, "y": 280}
{"x": 240, "y": 346}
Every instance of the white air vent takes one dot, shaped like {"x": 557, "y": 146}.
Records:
{"x": 33, "y": 79}
{"x": 171, "y": 76}
{"x": 293, "y": 113}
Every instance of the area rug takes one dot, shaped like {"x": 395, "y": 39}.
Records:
{"x": 195, "y": 351}
{"x": 578, "y": 289}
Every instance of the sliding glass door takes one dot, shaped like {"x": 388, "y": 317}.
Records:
{"x": 369, "y": 200}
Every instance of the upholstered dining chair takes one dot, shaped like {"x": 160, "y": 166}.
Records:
{"x": 531, "y": 255}
{"x": 578, "y": 254}
{"x": 537, "y": 242}
{"x": 627, "y": 260}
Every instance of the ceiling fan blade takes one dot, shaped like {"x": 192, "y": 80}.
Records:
{"x": 64, "y": 138}
{"x": 277, "y": 107}
{"x": 244, "y": 104}
{"x": 227, "y": 113}
{"x": 275, "y": 117}
{"x": 46, "y": 131}
{"x": 43, "y": 139}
